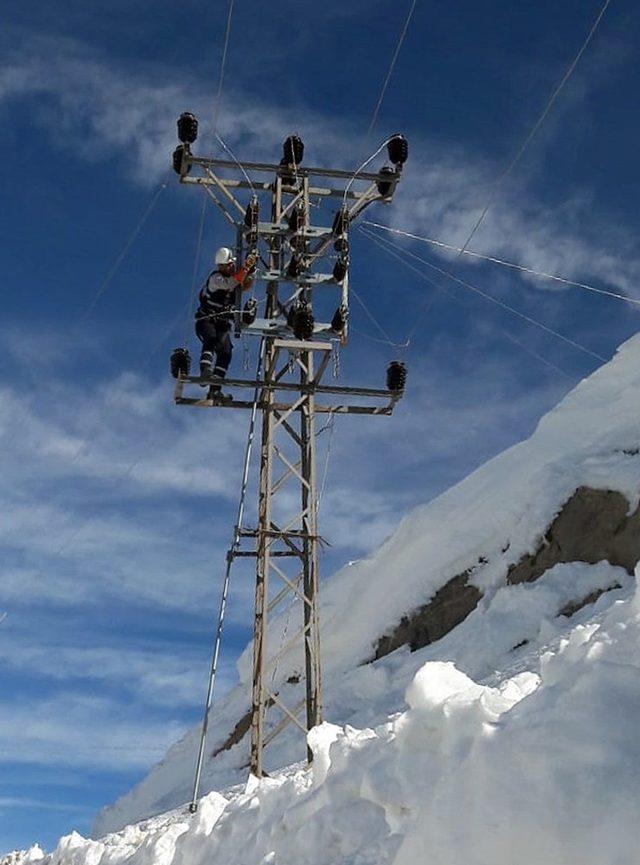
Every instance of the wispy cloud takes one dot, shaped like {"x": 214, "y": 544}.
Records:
{"x": 73, "y": 730}
{"x": 156, "y": 676}
{"x": 101, "y": 109}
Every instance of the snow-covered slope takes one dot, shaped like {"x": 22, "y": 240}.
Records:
{"x": 537, "y": 765}
{"x": 480, "y": 529}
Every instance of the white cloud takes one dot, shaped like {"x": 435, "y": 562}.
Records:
{"x": 158, "y": 676}
{"x": 100, "y": 109}
{"x": 73, "y": 730}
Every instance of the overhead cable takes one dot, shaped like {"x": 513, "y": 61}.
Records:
{"x": 361, "y": 167}
{"x": 501, "y": 261}
{"x": 196, "y": 268}
{"x": 216, "y": 110}
{"x": 383, "y": 244}
{"x": 227, "y": 578}
{"x": 391, "y": 67}
{"x": 498, "y": 302}
{"x": 125, "y": 249}
{"x": 237, "y": 162}
{"x": 375, "y": 322}
{"x": 534, "y": 129}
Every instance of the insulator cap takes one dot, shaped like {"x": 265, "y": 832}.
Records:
{"x": 292, "y": 150}
{"x": 340, "y": 269}
{"x": 398, "y": 149}
{"x": 178, "y": 153}
{"x": 187, "y": 127}
{"x": 396, "y": 376}
{"x": 296, "y": 218}
{"x": 294, "y": 268}
{"x": 341, "y": 221}
{"x": 302, "y": 321}
{"x": 252, "y": 213}
{"x": 288, "y": 178}
{"x": 180, "y": 362}
{"x": 250, "y": 311}
{"x": 339, "y": 320}
{"x": 385, "y": 185}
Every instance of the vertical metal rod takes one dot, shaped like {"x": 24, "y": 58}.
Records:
{"x": 310, "y": 561}
{"x": 193, "y": 807}
{"x": 264, "y": 510}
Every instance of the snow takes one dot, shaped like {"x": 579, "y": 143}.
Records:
{"x": 512, "y": 738}
{"x": 540, "y": 766}
{"x": 482, "y": 525}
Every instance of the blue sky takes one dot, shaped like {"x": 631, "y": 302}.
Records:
{"x": 117, "y": 505}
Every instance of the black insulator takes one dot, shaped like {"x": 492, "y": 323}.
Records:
{"x": 292, "y": 150}
{"x": 398, "y": 149}
{"x": 339, "y": 320}
{"x": 340, "y": 269}
{"x": 341, "y": 221}
{"x": 294, "y": 268}
{"x": 296, "y": 218}
{"x": 385, "y": 185}
{"x": 303, "y": 321}
{"x": 187, "y": 127}
{"x": 287, "y": 178}
{"x": 178, "y": 153}
{"x": 291, "y": 315}
{"x": 252, "y": 213}
{"x": 250, "y": 311}
{"x": 180, "y": 362}
{"x": 341, "y": 244}
{"x": 396, "y": 376}
{"x": 252, "y": 238}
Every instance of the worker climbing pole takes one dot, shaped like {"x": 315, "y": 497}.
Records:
{"x": 300, "y": 267}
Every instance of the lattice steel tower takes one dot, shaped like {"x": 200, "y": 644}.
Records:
{"x": 295, "y": 351}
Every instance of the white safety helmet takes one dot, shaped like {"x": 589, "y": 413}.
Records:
{"x": 225, "y": 256}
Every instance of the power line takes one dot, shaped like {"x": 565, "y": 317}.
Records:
{"x": 500, "y": 303}
{"x": 391, "y": 67}
{"x": 196, "y": 267}
{"x": 125, "y": 249}
{"x": 216, "y": 110}
{"x": 535, "y": 128}
{"x": 501, "y": 261}
{"x": 373, "y": 319}
{"x": 382, "y": 243}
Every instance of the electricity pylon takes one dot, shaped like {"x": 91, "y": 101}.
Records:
{"x": 296, "y": 351}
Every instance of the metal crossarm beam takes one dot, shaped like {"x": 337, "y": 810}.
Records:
{"x": 274, "y": 168}
{"x": 312, "y": 386}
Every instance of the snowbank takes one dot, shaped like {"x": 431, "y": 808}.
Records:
{"x": 540, "y": 766}
{"x": 483, "y": 525}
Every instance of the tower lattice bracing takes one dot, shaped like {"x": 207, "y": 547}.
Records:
{"x": 290, "y": 392}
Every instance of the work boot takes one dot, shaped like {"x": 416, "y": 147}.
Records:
{"x": 205, "y": 372}
{"x": 216, "y": 396}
